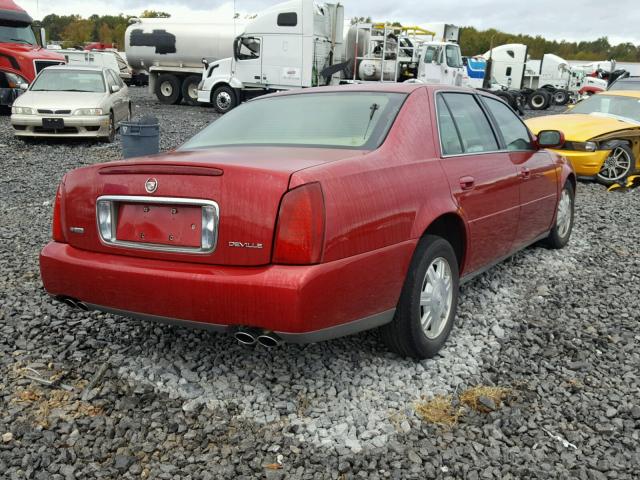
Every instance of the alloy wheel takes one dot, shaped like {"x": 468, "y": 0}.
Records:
{"x": 616, "y": 166}
{"x": 563, "y": 217}
{"x": 436, "y": 298}
{"x": 223, "y": 100}
{"x": 166, "y": 88}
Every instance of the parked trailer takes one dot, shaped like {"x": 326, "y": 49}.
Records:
{"x": 21, "y": 57}
{"x": 172, "y": 53}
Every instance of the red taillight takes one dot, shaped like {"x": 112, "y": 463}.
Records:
{"x": 300, "y": 230}
{"x": 57, "y": 231}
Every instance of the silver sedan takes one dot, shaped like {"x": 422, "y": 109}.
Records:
{"x": 72, "y": 101}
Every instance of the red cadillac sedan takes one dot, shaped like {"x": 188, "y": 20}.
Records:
{"x": 309, "y": 215}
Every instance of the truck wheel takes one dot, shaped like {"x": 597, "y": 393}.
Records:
{"x": 224, "y": 99}
{"x": 428, "y": 302}
{"x": 190, "y": 89}
{"x": 168, "y": 89}
{"x": 539, "y": 100}
{"x": 561, "y": 97}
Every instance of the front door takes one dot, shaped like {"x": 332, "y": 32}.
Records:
{"x": 248, "y": 60}
{"x": 430, "y": 70}
{"x": 536, "y": 171}
{"x": 483, "y": 179}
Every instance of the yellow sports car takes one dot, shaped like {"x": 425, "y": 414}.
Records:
{"x": 602, "y": 135}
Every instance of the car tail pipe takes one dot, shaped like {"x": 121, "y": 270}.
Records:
{"x": 73, "y": 303}
{"x": 270, "y": 340}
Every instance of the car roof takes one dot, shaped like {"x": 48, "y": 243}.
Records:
{"x": 375, "y": 87}
{"x": 91, "y": 68}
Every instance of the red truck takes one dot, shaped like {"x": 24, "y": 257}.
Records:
{"x": 21, "y": 57}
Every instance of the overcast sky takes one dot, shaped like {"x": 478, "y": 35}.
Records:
{"x": 553, "y": 19}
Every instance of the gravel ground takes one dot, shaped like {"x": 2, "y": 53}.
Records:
{"x": 90, "y": 395}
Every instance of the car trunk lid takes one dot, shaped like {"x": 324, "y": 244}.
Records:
{"x": 211, "y": 206}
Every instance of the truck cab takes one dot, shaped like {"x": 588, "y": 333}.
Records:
{"x": 441, "y": 63}
{"x": 287, "y": 46}
{"x": 21, "y": 57}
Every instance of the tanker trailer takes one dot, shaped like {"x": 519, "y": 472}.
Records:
{"x": 172, "y": 53}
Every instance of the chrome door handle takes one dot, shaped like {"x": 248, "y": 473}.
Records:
{"x": 467, "y": 183}
{"x": 525, "y": 173}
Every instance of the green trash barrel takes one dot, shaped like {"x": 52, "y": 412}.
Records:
{"x": 140, "y": 137}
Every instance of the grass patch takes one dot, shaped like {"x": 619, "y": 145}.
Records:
{"x": 475, "y": 398}
{"x": 439, "y": 410}
{"x": 443, "y": 410}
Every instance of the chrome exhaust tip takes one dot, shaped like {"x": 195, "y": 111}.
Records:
{"x": 269, "y": 340}
{"x": 245, "y": 338}
{"x": 69, "y": 302}
{"x": 81, "y": 306}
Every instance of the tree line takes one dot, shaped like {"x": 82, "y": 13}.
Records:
{"x": 477, "y": 42}
{"x": 73, "y": 30}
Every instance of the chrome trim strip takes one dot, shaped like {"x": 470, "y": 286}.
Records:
{"x": 210, "y": 218}
{"x": 337, "y": 331}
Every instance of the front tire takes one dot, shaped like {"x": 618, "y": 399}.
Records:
{"x": 428, "y": 302}
{"x": 111, "y": 135}
{"x": 224, "y": 99}
{"x": 565, "y": 213}
{"x": 618, "y": 166}
{"x": 561, "y": 97}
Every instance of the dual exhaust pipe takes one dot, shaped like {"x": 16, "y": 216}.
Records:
{"x": 73, "y": 303}
{"x": 250, "y": 337}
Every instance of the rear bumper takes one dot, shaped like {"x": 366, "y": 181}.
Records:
{"x": 585, "y": 164}
{"x": 85, "y": 126}
{"x": 300, "y": 303}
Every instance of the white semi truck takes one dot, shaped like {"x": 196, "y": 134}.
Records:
{"x": 171, "y": 52}
{"x": 543, "y": 82}
{"x": 302, "y": 43}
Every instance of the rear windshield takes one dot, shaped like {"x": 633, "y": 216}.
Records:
{"x": 356, "y": 120}
{"x": 51, "y": 80}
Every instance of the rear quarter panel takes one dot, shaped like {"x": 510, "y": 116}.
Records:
{"x": 387, "y": 196}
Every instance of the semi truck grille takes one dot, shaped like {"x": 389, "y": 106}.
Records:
{"x": 42, "y": 64}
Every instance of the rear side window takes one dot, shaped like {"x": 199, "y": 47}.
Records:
{"x": 288, "y": 19}
{"x": 449, "y": 138}
{"x": 515, "y": 134}
{"x": 472, "y": 124}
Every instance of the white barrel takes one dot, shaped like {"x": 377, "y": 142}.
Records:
{"x": 168, "y": 43}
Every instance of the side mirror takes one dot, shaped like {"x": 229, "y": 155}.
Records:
{"x": 43, "y": 38}
{"x": 550, "y": 139}
{"x": 115, "y": 88}
{"x": 23, "y": 86}
{"x": 205, "y": 62}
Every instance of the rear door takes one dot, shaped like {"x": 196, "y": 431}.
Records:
{"x": 482, "y": 177}
{"x": 536, "y": 171}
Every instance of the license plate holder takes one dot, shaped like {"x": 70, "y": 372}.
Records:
{"x": 53, "y": 123}
{"x": 160, "y": 224}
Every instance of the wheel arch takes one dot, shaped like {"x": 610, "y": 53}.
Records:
{"x": 452, "y": 228}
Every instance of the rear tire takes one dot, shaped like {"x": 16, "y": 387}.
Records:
{"x": 224, "y": 99}
{"x": 190, "y": 89}
{"x": 429, "y": 295}
{"x": 563, "y": 226}
{"x": 168, "y": 89}
{"x": 539, "y": 100}
{"x": 561, "y": 97}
